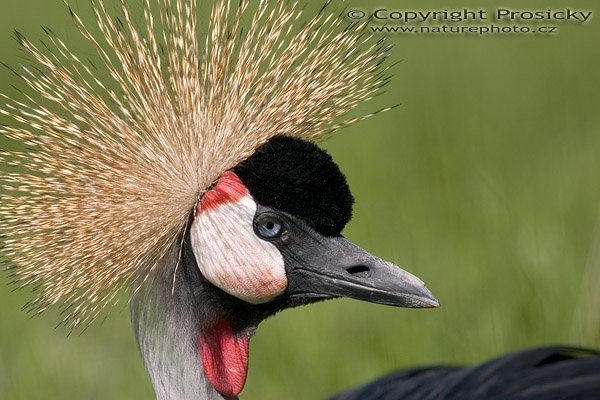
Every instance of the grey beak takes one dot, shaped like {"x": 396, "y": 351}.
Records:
{"x": 324, "y": 267}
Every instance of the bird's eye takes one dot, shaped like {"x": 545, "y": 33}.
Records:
{"x": 269, "y": 227}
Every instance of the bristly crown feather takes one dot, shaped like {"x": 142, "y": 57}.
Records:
{"x": 114, "y": 155}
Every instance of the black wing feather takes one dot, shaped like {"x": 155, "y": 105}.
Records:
{"x": 549, "y": 373}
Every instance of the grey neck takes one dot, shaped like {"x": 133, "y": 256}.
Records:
{"x": 166, "y": 321}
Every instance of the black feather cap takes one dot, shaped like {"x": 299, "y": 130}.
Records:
{"x": 301, "y": 179}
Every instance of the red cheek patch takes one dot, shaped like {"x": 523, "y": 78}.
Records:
{"x": 224, "y": 358}
{"x": 229, "y": 189}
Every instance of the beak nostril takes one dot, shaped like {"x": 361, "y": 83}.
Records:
{"x": 360, "y": 271}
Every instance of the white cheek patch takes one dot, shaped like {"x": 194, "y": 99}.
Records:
{"x": 232, "y": 257}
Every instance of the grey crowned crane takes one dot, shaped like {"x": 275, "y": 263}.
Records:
{"x": 186, "y": 172}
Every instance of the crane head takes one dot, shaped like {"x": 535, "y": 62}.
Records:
{"x": 271, "y": 228}
{"x": 267, "y": 236}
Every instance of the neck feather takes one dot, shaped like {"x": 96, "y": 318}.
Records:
{"x": 167, "y": 319}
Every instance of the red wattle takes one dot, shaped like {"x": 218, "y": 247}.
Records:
{"x": 224, "y": 358}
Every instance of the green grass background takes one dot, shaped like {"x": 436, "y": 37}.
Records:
{"x": 485, "y": 183}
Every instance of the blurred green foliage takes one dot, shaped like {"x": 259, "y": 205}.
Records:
{"x": 485, "y": 183}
